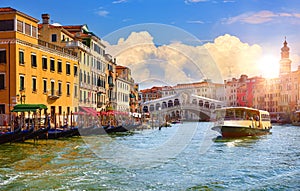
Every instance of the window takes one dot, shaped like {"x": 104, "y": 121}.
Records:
{"x": 34, "y": 32}
{"x": 59, "y": 110}
{"x": 110, "y": 67}
{"x": 2, "y": 56}
{"x": 2, "y": 81}
{"x": 80, "y": 76}
{"x": 44, "y": 63}
{"x": 52, "y": 87}
{"x": 22, "y": 82}
{"x": 53, "y": 37}
{"x": 33, "y": 60}
{"x": 33, "y": 84}
{"x": 27, "y": 29}
{"x": 2, "y": 109}
{"x": 44, "y": 86}
{"x": 75, "y": 70}
{"x": 7, "y": 25}
{"x": 21, "y": 57}
{"x": 52, "y": 65}
{"x": 59, "y": 88}
{"x": 68, "y": 89}
{"x": 75, "y": 91}
{"x": 84, "y": 77}
{"x": 96, "y": 48}
{"x": 20, "y": 26}
{"x": 68, "y": 68}
{"x": 59, "y": 66}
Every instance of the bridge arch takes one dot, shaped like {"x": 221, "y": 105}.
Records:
{"x": 184, "y": 105}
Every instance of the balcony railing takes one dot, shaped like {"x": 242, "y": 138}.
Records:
{"x": 72, "y": 44}
{"x": 56, "y": 48}
{"x": 54, "y": 94}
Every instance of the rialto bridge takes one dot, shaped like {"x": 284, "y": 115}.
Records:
{"x": 184, "y": 106}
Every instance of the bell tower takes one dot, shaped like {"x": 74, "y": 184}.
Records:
{"x": 285, "y": 62}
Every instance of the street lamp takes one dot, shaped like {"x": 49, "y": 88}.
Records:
{"x": 22, "y": 97}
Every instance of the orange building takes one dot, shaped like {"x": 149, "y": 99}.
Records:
{"x": 33, "y": 70}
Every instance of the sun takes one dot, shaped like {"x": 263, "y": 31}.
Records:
{"x": 269, "y": 66}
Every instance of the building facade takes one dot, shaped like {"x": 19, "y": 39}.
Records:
{"x": 33, "y": 70}
{"x": 205, "y": 88}
{"x": 150, "y": 94}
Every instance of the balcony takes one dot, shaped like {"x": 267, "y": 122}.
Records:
{"x": 54, "y": 94}
{"x": 101, "y": 90}
{"x": 75, "y": 44}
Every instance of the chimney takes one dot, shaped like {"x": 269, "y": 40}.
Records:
{"x": 45, "y": 18}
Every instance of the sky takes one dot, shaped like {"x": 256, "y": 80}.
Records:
{"x": 179, "y": 41}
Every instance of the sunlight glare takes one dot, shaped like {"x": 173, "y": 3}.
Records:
{"x": 269, "y": 66}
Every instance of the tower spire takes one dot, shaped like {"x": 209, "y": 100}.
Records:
{"x": 285, "y": 62}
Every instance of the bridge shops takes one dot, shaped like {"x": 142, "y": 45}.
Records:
{"x": 182, "y": 106}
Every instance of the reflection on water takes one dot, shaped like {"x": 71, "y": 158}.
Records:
{"x": 186, "y": 156}
{"x": 236, "y": 142}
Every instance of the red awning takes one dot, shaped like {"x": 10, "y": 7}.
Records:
{"x": 112, "y": 112}
{"x": 79, "y": 113}
{"x": 88, "y": 110}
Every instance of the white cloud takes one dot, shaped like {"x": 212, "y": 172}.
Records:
{"x": 213, "y": 1}
{"x": 176, "y": 62}
{"x": 261, "y": 17}
{"x": 102, "y": 13}
{"x": 195, "y": 22}
{"x": 297, "y": 15}
{"x": 119, "y": 1}
{"x": 194, "y": 1}
{"x": 234, "y": 57}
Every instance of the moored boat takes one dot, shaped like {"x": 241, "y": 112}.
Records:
{"x": 242, "y": 122}
{"x": 23, "y": 128}
{"x": 60, "y": 133}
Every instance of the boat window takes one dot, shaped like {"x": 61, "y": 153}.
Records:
{"x": 239, "y": 114}
{"x": 265, "y": 117}
{"x": 220, "y": 114}
{"x": 229, "y": 114}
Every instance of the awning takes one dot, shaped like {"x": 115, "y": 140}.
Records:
{"x": 88, "y": 110}
{"x": 28, "y": 107}
{"x": 112, "y": 112}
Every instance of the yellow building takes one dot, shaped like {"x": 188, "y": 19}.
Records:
{"x": 33, "y": 70}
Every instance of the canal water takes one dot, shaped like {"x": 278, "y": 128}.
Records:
{"x": 187, "y": 156}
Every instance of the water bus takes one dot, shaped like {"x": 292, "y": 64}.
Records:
{"x": 242, "y": 122}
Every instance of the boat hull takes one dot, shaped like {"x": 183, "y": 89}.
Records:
{"x": 235, "y": 131}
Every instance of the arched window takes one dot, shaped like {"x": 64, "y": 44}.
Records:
{"x": 152, "y": 107}
{"x": 206, "y": 105}
{"x": 212, "y": 106}
{"x": 164, "y": 105}
{"x": 194, "y": 102}
{"x": 176, "y": 102}
{"x": 110, "y": 81}
{"x": 170, "y": 103}
{"x": 145, "y": 109}
{"x": 200, "y": 103}
{"x": 157, "y": 106}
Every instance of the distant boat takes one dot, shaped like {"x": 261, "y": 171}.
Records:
{"x": 242, "y": 122}
{"x": 296, "y": 118}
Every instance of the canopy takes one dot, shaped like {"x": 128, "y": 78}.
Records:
{"x": 28, "y": 107}
{"x": 88, "y": 110}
